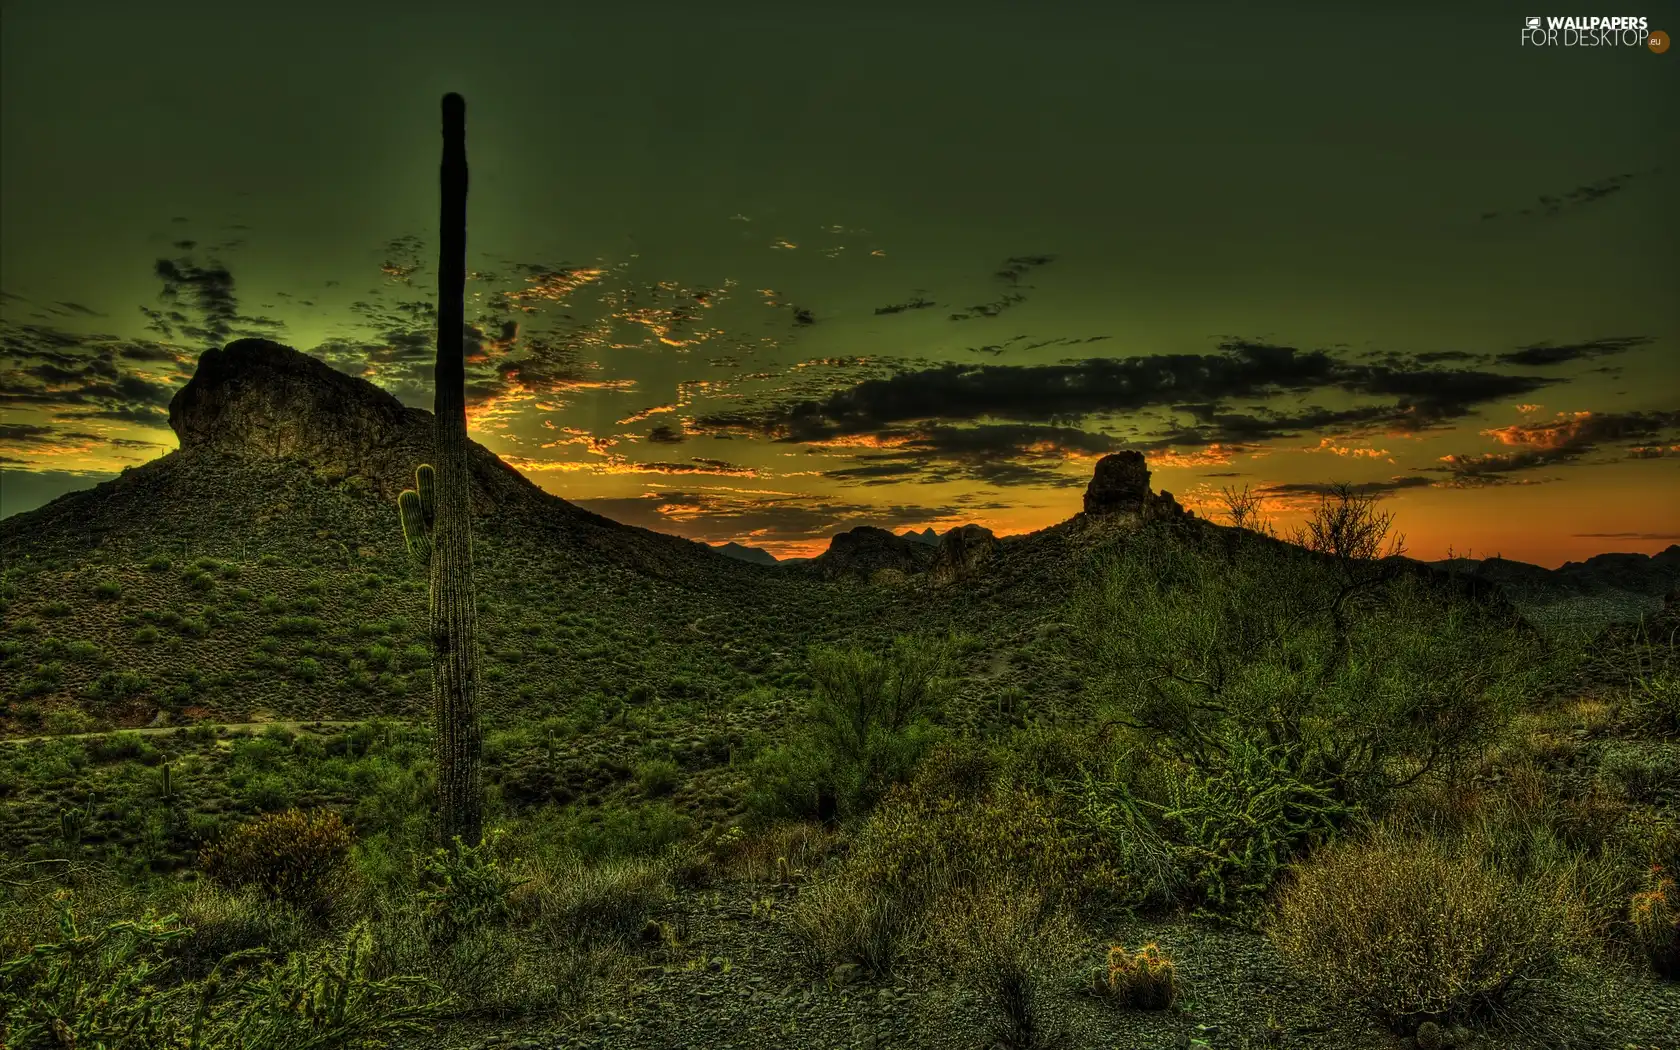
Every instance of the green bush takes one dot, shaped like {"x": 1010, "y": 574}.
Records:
{"x": 867, "y": 727}
{"x": 93, "y": 989}
{"x": 293, "y": 856}
{"x": 123, "y": 747}
{"x": 657, "y": 777}
{"x": 219, "y": 922}
{"x": 462, "y": 888}
{"x": 590, "y": 904}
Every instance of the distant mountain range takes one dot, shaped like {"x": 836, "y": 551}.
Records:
{"x": 1615, "y": 587}
{"x": 760, "y": 556}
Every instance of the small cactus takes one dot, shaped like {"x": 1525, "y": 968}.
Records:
{"x": 1429, "y": 1036}
{"x": 168, "y": 781}
{"x": 1144, "y": 979}
{"x": 419, "y": 512}
{"x": 1655, "y": 917}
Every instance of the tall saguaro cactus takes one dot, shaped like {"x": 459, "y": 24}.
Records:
{"x": 453, "y": 613}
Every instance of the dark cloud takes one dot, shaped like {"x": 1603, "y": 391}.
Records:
{"x": 1013, "y": 269}
{"x": 26, "y": 434}
{"x": 404, "y": 256}
{"x": 665, "y": 434}
{"x": 1068, "y": 392}
{"x": 1366, "y": 488}
{"x": 918, "y": 303}
{"x": 1548, "y": 206}
{"x": 78, "y": 376}
{"x": 1543, "y": 354}
{"x": 1004, "y": 455}
{"x": 1629, "y": 535}
{"x": 762, "y": 519}
{"x": 203, "y": 304}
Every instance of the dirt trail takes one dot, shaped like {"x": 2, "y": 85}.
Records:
{"x": 149, "y": 730}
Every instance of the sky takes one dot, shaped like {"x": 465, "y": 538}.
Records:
{"x": 766, "y": 272}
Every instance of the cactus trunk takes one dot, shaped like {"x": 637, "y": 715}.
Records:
{"x": 453, "y": 613}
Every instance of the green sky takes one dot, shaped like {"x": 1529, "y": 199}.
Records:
{"x": 1276, "y": 247}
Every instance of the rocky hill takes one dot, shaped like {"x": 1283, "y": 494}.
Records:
{"x": 260, "y": 567}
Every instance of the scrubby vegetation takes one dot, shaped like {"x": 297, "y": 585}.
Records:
{"x": 1202, "y": 786}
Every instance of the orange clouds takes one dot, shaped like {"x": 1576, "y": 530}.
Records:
{"x": 1567, "y": 429}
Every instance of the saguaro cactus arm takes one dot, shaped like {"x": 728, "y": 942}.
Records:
{"x": 418, "y": 507}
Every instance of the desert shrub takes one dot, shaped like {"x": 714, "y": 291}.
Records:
{"x": 327, "y": 998}
{"x": 1217, "y": 836}
{"x": 1009, "y": 943}
{"x": 1242, "y": 818}
{"x": 1413, "y": 929}
{"x": 92, "y": 989}
{"x": 1364, "y": 675}
{"x": 462, "y": 888}
{"x": 788, "y": 781}
{"x": 294, "y": 856}
{"x": 608, "y": 831}
{"x": 122, "y": 747}
{"x": 1641, "y": 776}
{"x": 1144, "y": 979}
{"x": 108, "y": 590}
{"x": 657, "y": 776}
{"x": 917, "y": 848}
{"x": 1154, "y": 869}
{"x": 867, "y": 726}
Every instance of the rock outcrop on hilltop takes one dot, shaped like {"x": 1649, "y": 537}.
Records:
{"x": 961, "y": 552}
{"x": 865, "y": 550}
{"x": 257, "y": 399}
{"x": 1120, "y": 485}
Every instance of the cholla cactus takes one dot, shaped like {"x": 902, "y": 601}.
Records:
{"x": 419, "y": 512}
{"x": 1144, "y": 979}
{"x": 1655, "y": 916}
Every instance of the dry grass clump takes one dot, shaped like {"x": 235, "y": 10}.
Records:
{"x": 1008, "y": 943}
{"x": 589, "y": 904}
{"x": 1412, "y": 929}
{"x": 918, "y": 849}
{"x": 783, "y": 853}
